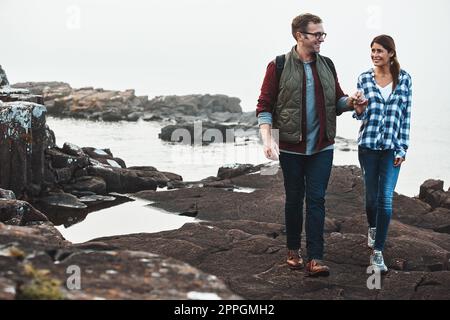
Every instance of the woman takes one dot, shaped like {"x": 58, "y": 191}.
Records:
{"x": 383, "y": 137}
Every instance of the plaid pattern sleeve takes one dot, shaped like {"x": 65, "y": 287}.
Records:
{"x": 385, "y": 124}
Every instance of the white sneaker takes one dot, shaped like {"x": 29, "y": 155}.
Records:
{"x": 371, "y": 237}
{"x": 377, "y": 261}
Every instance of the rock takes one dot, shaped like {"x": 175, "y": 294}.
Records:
{"x": 143, "y": 168}
{"x": 62, "y": 100}
{"x": 134, "y": 116}
{"x": 248, "y": 118}
{"x": 73, "y": 150}
{"x": 3, "y": 78}
{"x": 104, "y": 156}
{"x": 197, "y": 133}
{"x": 219, "y": 184}
{"x": 192, "y": 105}
{"x": 152, "y": 117}
{"x": 234, "y": 170}
{"x": 126, "y": 181}
{"x": 107, "y": 272}
{"x": 96, "y": 199}
{"x": 7, "y": 289}
{"x": 112, "y": 115}
{"x": 224, "y": 116}
{"x": 60, "y": 159}
{"x": 110, "y": 105}
{"x": 23, "y": 132}
{"x": 91, "y": 184}
{"x": 62, "y": 176}
{"x": 7, "y": 194}
{"x": 220, "y": 247}
{"x": 16, "y": 212}
{"x": 62, "y": 200}
{"x": 431, "y": 191}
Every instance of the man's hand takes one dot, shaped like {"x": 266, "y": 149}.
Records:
{"x": 398, "y": 161}
{"x": 271, "y": 150}
{"x": 270, "y": 147}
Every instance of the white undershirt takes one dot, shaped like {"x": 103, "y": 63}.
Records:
{"x": 386, "y": 91}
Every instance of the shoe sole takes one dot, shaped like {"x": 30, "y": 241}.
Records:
{"x": 296, "y": 268}
{"x": 319, "y": 274}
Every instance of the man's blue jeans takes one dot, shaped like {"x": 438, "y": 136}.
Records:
{"x": 380, "y": 178}
{"x": 310, "y": 174}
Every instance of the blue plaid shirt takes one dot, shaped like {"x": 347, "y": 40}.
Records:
{"x": 385, "y": 124}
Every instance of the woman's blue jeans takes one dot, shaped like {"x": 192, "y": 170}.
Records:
{"x": 380, "y": 178}
{"x": 306, "y": 174}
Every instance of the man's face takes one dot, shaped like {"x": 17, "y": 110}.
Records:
{"x": 310, "y": 42}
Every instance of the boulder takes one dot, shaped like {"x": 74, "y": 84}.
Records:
{"x": 91, "y": 184}
{"x": 3, "y": 78}
{"x": 7, "y": 194}
{"x": 39, "y": 260}
{"x": 126, "y": 181}
{"x": 62, "y": 200}
{"x": 16, "y": 212}
{"x": 432, "y": 192}
{"x": 23, "y": 130}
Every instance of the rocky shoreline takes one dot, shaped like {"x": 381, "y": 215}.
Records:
{"x": 235, "y": 250}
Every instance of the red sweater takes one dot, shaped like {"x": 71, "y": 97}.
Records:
{"x": 269, "y": 95}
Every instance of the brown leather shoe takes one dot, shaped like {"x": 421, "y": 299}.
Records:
{"x": 316, "y": 268}
{"x": 294, "y": 260}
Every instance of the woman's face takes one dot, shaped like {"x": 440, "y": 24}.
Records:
{"x": 380, "y": 56}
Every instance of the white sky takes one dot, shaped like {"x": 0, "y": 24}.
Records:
{"x": 163, "y": 47}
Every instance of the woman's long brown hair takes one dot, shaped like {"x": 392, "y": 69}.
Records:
{"x": 388, "y": 43}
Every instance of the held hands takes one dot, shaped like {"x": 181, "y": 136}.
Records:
{"x": 358, "y": 101}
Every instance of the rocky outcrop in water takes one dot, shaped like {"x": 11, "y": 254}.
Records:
{"x": 111, "y": 105}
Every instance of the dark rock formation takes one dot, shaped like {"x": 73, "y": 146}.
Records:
{"x": 36, "y": 263}
{"x": 432, "y": 192}
{"x": 16, "y": 212}
{"x": 23, "y": 139}
{"x": 205, "y": 132}
{"x": 249, "y": 228}
{"x": 3, "y": 78}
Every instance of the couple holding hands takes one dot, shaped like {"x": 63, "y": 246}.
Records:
{"x": 301, "y": 97}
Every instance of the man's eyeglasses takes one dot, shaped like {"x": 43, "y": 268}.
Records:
{"x": 318, "y": 35}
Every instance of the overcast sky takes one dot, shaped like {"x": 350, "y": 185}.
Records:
{"x": 161, "y": 47}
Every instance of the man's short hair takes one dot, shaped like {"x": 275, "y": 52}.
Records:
{"x": 300, "y": 23}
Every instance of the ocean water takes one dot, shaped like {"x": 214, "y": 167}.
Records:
{"x": 137, "y": 143}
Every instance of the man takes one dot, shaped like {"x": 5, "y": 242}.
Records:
{"x": 302, "y": 103}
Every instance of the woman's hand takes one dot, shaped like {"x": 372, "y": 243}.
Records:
{"x": 398, "y": 161}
